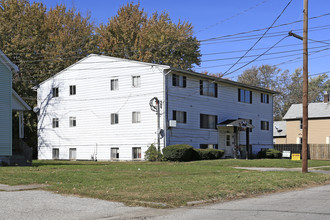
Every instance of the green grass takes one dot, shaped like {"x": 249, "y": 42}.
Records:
{"x": 175, "y": 184}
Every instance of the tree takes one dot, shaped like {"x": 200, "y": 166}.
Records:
{"x": 41, "y": 43}
{"x": 131, "y": 34}
{"x": 288, "y": 86}
{"x": 269, "y": 77}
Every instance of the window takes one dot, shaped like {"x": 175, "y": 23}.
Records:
{"x": 136, "y": 117}
{"x": 56, "y": 154}
{"x": 180, "y": 81}
{"x": 228, "y": 140}
{"x": 72, "y": 153}
{"x": 264, "y": 98}
{"x": 114, "y": 153}
{"x": 208, "y": 121}
{"x": 301, "y": 124}
{"x": 299, "y": 140}
{"x": 136, "y": 81}
{"x": 264, "y": 125}
{"x": 55, "y": 123}
{"x": 72, "y": 90}
{"x": 55, "y": 92}
{"x": 180, "y": 117}
{"x": 208, "y": 88}
{"x": 136, "y": 152}
{"x": 245, "y": 96}
{"x": 114, "y": 118}
{"x": 114, "y": 84}
{"x": 208, "y": 146}
{"x": 73, "y": 121}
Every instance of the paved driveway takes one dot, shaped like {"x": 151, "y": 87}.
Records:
{"x": 312, "y": 203}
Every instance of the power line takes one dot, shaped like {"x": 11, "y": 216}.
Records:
{"x": 259, "y": 38}
{"x": 257, "y": 57}
{"x": 231, "y": 17}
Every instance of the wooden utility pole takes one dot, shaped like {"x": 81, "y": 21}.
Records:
{"x": 305, "y": 90}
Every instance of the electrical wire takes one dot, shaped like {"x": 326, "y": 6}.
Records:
{"x": 258, "y": 41}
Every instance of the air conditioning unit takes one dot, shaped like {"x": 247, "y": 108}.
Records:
{"x": 172, "y": 123}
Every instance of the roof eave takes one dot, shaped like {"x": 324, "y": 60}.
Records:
{"x": 227, "y": 81}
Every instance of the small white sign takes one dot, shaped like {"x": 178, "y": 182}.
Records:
{"x": 286, "y": 154}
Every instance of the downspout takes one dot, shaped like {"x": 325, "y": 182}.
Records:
{"x": 165, "y": 94}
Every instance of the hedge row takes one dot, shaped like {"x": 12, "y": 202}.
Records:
{"x": 270, "y": 153}
{"x": 184, "y": 152}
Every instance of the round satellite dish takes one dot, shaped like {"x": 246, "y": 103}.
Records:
{"x": 36, "y": 109}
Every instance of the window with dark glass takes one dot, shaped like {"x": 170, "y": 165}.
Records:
{"x": 55, "y": 123}
{"x": 264, "y": 125}
{"x": 264, "y": 98}
{"x": 72, "y": 90}
{"x": 179, "y": 81}
{"x": 208, "y": 121}
{"x": 114, "y": 118}
{"x": 55, "y": 92}
{"x": 208, "y": 88}
{"x": 179, "y": 116}
{"x": 245, "y": 96}
{"x": 114, "y": 84}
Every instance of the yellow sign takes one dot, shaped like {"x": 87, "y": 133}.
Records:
{"x": 295, "y": 156}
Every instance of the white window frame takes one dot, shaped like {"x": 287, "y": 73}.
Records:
{"x": 55, "y": 123}
{"x": 72, "y": 153}
{"x": 114, "y": 153}
{"x": 114, "y": 84}
{"x": 55, "y": 92}
{"x": 212, "y": 121}
{"x": 180, "y": 116}
{"x": 72, "y": 90}
{"x": 72, "y": 122}
{"x": 55, "y": 153}
{"x": 136, "y": 81}
{"x": 264, "y": 125}
{"x": 137, "y": 153}
{"x": 179, "y": 80}
{"x": 114, "y": 118}
{"x": 136, "y": 117}
{"x": 208, "y": 88}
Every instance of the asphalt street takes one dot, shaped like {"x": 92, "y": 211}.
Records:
{"x": 311, "y": 203}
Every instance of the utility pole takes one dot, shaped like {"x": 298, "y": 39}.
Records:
{"x": 305, "y": 90}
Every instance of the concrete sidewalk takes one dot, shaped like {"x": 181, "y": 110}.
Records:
{"x": 311, "y": 203}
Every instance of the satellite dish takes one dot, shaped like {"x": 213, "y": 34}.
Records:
{"x": 161, "y": 133}
{"x": 36, "y": 110}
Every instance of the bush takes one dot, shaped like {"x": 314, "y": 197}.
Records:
{"x": 178, "y": 152}
{"x": 208, "y": 154}
{"x": 270, "y": 153}
{"x": 152, "y": 154}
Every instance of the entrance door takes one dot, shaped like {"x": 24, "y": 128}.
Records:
{"x": 72, "y": 153}
{"x": 229, "y": 144}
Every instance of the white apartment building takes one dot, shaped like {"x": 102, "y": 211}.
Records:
{"x": 99, "y": 108}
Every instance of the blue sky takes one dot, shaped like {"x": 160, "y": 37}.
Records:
{"x": 212, "y": 19}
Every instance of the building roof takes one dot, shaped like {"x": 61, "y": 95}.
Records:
{"x": 18, "y": 103}
{"x": 315, "y": 110}
{"x": 168, "y": 68}
{"x": 5, "y": 60}
{"x": 279, "y": 129}
{"x": 226, "y": 81}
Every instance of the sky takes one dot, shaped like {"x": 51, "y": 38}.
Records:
{"x": 215, "y": 19}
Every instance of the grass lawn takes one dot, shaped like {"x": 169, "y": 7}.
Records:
{"x": 175, "y": 184}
